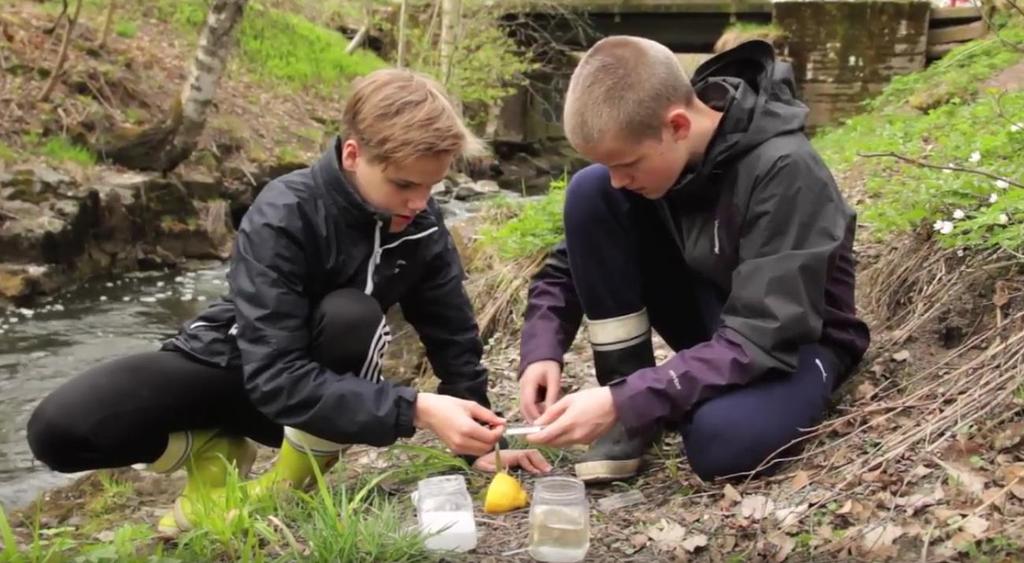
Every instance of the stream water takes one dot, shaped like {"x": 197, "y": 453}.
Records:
{"x": 44, "y": 346}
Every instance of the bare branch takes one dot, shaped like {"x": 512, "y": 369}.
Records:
{"x": 63, "y": 56}
{"x": 952, "y": 167}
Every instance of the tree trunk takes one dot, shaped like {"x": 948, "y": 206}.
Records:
{"x": 165, "y": 145}
{"x": 107, "y": 24}
{"x": 401, "y": 34}
{"x": 450, "y": 15}
{"x": 63, "y": 56}
{"x": 364, "y": 30}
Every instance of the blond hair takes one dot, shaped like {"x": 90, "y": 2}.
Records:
{"x": 623, "y": 86}
{"x": 397, "y": 115}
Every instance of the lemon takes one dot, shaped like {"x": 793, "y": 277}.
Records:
{"x": 504, "y": 494}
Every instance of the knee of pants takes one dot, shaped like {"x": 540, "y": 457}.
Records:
{"x": 54, "y": 437}
{"x": 591, "y": 201}
{"x": 717, "y": 449}
{"x": 347, "y": 323}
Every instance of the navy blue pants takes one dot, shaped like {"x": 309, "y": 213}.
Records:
{"x": 623, "y": 259}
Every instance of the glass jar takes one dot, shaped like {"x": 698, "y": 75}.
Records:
{"x": 445, "y": 512}
{"x": 559, "y": 520}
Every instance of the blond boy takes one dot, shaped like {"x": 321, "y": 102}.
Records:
{"x": 709, "y": 218}
{"x": 291, "y": 356}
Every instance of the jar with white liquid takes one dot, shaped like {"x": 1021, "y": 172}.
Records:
{"x": 559, "y": 520}
{"x": 445, "y": 512}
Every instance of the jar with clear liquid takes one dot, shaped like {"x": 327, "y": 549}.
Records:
{"x": 445, "y": 512}
{"x": 559, "y": 520}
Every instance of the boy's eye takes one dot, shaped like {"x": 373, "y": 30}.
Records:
{"x": 402, "y": 185}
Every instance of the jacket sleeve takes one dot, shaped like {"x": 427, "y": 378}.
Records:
{"x": 553, "y": 312}
{"x": 267, "y": 279}
{"x": 440, "y": 311}
{"x": 794, "y": 223}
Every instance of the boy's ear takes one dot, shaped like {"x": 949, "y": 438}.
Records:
{"x": 679, "y": 123}
{"x": 349, "y": 154}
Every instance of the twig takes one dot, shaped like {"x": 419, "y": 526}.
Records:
{"x": 299, "y": 550}
{"x": 63, "y": 56}
{"x": 927, "y": 540}
{"x": 940, "y": 167}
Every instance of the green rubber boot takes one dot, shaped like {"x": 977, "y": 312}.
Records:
{"x": 206, "y": 456}
{"x": 293, "y": 467}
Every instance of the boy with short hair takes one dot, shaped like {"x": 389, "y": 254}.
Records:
{"x": 291, "y": 356}
{"x": 710, "y": 218}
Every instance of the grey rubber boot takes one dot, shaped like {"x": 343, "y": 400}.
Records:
{"x": 621, "y": 346}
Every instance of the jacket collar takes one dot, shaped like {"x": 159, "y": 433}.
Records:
{"x": 340, "y": 192}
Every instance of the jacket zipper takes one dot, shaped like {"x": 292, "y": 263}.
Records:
{"x": 378, "y": 250}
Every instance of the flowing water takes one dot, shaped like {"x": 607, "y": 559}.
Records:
{"x": 44, "y": 346}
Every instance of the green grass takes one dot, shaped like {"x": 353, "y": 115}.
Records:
{"x": 126, "y": 29}
{"x": 62, "y": 149}
{"x": 534, "y": 226}
{"x": 962, "y": 124}
{"x": 280, "y": 47}
{"x": 7, "y": 154}
{"x": 340, "y": 520}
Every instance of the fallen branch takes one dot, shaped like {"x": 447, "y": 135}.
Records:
{"x": 952, "y": 167}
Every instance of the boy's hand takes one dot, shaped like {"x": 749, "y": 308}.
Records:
{"x": 546, "y": 375}
{"x": 457, "y": 423}
{"x": 579, "y": 418}
{"x": 530, "y": 460}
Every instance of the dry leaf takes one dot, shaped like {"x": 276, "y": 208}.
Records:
{"x": 639, "y": 540}
{"x": 727, "y": 543}
{"x": 871, "y": 476}
{"x": 1009, "y": 436}
{"x": 965, "y": 478}
{"x": 846, "y": 508}
{"x": 695, "y": 542}
{"x": 785, "y": 545}
{"x": 791, "y": 515}
{"x": 1007, "y": 473}
{"x": 975, "y": 525}
{"x": 667, "y": 534}
{"x": 731, "y": 493}
{"x": 864, "y": 391}
{"x": 994, "y": 497}
{"x": 756, "y": 506}
{"x": 920, "y": 471}
{"x": 901, "y": 356}
{"x": 881, "y": 537}
{"x": 800, "y": 480}
{"x": 945, "y": 515}
{"x": 1018, "y": 491}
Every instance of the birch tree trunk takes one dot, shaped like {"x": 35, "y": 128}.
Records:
{"x": 167, "y": 144}
{"x": 450, "y": 14}
{"x": 364, "y": 30}
{"x": 201, "y": 85}
{"x": 401, "y": 34}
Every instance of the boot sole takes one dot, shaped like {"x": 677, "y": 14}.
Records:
{"x": 607, "y": 470}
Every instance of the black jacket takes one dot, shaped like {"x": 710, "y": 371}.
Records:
{"x": 309, "y": 233}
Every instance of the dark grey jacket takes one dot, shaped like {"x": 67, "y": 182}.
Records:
{"x": 309, "y": 233}
{"x": 762, "y": 219}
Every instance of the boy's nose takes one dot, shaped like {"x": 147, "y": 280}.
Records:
{"x": 620, "y": 180}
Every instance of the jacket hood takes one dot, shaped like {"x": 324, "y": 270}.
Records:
{"x": 756, "y": 95}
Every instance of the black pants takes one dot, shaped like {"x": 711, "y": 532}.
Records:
{"x": 623, "y": 259}
{"x": 120, "y": 412}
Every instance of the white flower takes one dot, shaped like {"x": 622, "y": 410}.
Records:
{"x": 947, "y": 170}
{"x": 976, "y": 156}
{"x": 1004, "y": 219}
{"x": 993, "y": 198}
{"x": 1002, "y": 184}
{"x": 958, "y": 214}
{"x": 1016, "y": 127}
{"x": 944, "y": 227}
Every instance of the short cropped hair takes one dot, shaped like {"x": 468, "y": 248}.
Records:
{"x": 623, "y": 86}
{"x": 397, "y": 115}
